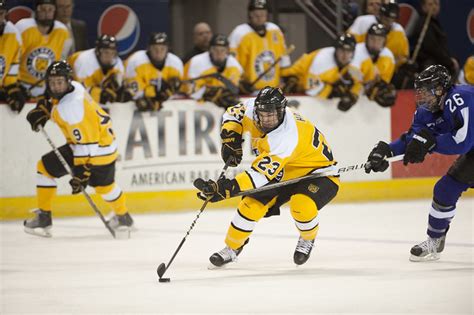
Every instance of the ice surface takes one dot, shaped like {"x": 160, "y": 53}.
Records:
{"x": 359, "y": 265}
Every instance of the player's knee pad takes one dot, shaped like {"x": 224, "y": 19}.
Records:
{"x": 253, "y": 209}
{"x": 41, "y": 169}
{"x": 110, "y": 192}
{"x": 303, "y": 208}
{"x": 447, "y": 190}
{"x": 52, "y": 163}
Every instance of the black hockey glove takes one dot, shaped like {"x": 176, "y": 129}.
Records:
{"x": 246, "y": 88}
{"x": 40, "y": 114}
{"x": 231, "y": 147}
{"x": 347, "y": 101}
{"x": 422, "y": 143}
{"x": 168, "y": 88}
{"x": 80, "y": 179}
{"x": 376, "y": 161}
{"x": 216, "y": 191}
{"x": 110, "y": 89}
{"x": 220, "y": 96}
{"x": 342, "y": 87}
{"x": 16, "y": 98}
{"x": 383, "y": 93}
{"x": 290, "y": 84}
{"x": 145, "y": 104}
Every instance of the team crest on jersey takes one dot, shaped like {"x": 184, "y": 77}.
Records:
{"x": 3, "y": 66}
{"x": 39, "y": 60}
{"x": 263, "y": 62}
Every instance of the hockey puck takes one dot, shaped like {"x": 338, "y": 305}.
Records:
{"x": 164, "y": 280}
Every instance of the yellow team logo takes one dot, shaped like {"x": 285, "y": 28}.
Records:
{"x": 3, "y": 66}
{"x": 313, "y": 188}
{"x": 263, "y": 62}
{"x": 39, "y": 60}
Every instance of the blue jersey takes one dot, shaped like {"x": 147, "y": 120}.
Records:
{"x": 453, "y": 127}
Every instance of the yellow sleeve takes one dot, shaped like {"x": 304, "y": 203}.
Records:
{"x": 12, "y": 76}
{"x": 386, "y": 68}
{"x": 469, "y": 70}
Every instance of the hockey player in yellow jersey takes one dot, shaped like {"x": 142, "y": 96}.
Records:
{"x": 44, "y": 41}
{"x": 90, "y": 149}
{"x": 10, "y": 46}
{"x": 379, "y": 89}
{"x": 397, "y": 40}
{"x": 328, "y": 73}
{"x": 100, "y": 69}
{"x": 257, "y": 45}
{"x": 153, "y": 75}
{"x": 221, "y": 89}
{"x": 287, "y": 147}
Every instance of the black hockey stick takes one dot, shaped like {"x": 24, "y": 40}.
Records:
{"x": 234, "y": 89}
{"x": 69, "y": 170}
{"x": 162, "y": 267}
{"x": 328, "y": 171}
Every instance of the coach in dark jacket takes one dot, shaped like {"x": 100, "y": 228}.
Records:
{"x": 77, "y": 28}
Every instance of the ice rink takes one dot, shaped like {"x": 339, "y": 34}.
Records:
{"x": 359, "y": 265}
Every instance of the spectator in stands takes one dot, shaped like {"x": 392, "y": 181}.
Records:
{"x": 44, "y": 41}
{"x": 466, "y": 76}
{"x": 77, "y": 28}
{"x": 397, "y": 40}
{"x": 153, "y": 75}
{"x": 328, "y": 73}
{"x": 258, "y": 45}
{"x": 10, "y": 46}
{"x": 379, "y": 89}
{"x": 221, "y": 86}
{"x": 434, "y": 47}
{"x": 100, "y": 70}
{"x": 202, "y": 34}
{"x": 372, "y": 7}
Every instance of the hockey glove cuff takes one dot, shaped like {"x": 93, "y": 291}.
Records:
{"x": 376, "y": 161}
{"x": 216, "y": 191}
{"x": 422, "y": 143}
{"x": 80, "y": 179}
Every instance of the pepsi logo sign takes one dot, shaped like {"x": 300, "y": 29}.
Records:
{"x": 122, "y": 22}
{"x": 19, "y": 12}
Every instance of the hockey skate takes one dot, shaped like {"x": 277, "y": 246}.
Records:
{"x": 40, "y": 224}
{"x": 122, "y": 225}
{"x": 428, "y": 250}
{"x": 225, "y": 256}
{"x": 302, "y": 251}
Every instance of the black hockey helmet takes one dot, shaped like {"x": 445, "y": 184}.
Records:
{"x": 390, "y": 9}
{"x": 257, "y": 5}
{"x": 346, "y": 42}
{"x": 106, "y": 41}
{"x": 430, "y": 87}
{"x": 158, "y": 39}
{"x": 377, "y": 29}
{"x": 59, "y": 69}
{"x": 269, "y": 100}
{"x": 219, "y": 40}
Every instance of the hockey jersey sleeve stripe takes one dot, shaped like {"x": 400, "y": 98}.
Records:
{"x": 43, "y": 181}
{"x": 242, "y": 223}
{"x": 14, "y": 69}
{"x": 113, "y": 195}
{"x": 461, "y": 134}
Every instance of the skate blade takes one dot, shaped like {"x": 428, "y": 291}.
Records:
{"x": 214, "y": 267}
{"x": 429, "y": 257}
{"x": 122, "y": 233}
{"x": 42, "y": 232}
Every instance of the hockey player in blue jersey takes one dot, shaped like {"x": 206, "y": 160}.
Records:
{"x": 443, "y": 123}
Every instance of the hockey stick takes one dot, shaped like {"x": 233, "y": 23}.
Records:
{"x": 327, "y": 171}
{"x": 287, "y": 52}
{"x": 228, "y": 84}
{"x": 162, "y": 267}
{"x": 69, "y": 170}
{"x": 418, "y": 44}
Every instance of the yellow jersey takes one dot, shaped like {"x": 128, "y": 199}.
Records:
{"x": 88, "y": 71}
{"x": 39, "y": 51}
{"x": 140, "y": 72}
{"x": 200, "y": 65}
{"x": 256, "y": 53}
{"x": 466, "y": 75}
{"x": 397, "y": 40}
{"x": 10, "y": 49}
{"x": 385, "y": 65}
{"x": 86, "y": 126}
{"x": 318, "y": 71}
{"x": 294, "y": 149}
{"x": 363, "y": 62}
